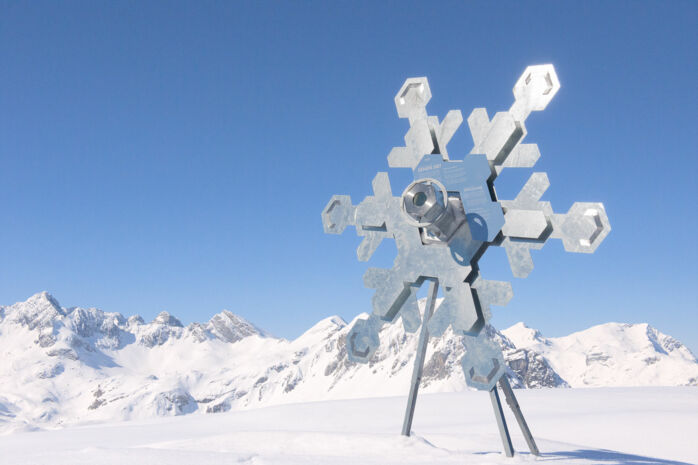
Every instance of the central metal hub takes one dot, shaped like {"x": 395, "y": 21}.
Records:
{"x": 428, "y": 206}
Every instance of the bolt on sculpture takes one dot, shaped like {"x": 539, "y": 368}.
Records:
{"x": 444, "y": 222}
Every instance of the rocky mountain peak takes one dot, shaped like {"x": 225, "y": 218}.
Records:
{"x": 230, "y": 327}
{"x": 43, "y": 301}
{"x": 329, "y": 324}
{"x": 135, "y": 320}
{"x": 666, "y": 343}
{"x": 166, "y": 319}
{"x": 523, "y": 336}
{"x": 39, "y": 311}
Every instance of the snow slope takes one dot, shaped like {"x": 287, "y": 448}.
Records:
{"x": 66, "y": 366}
{"x": 603, "y": 426}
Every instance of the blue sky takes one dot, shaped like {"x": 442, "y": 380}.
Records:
{"x": 176, "y": 156}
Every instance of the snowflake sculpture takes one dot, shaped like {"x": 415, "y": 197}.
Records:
{"x": 445, "y": 220}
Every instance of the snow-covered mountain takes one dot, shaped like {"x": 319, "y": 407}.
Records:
{"x": 74, "y": 365}
{"x": 613, "y": 354}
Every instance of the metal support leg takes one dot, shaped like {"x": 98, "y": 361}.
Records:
{"x": 501, "y": 422}
{"x": 514, "y": 405}
{"x": 419, "y": 358}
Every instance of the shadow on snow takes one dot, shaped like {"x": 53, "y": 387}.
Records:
{"x": 609, "y": 457}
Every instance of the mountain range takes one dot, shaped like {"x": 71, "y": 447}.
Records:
{"x": 64, "y": 366}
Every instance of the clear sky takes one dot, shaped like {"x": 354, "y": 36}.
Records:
{"x": 177, "y": 155}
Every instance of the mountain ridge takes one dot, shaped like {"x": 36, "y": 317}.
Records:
{"x": 70, "y": 365}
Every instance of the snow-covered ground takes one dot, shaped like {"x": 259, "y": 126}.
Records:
{"x": 608, "y": 426}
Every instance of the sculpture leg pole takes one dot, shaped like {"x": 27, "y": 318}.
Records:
{"x": 514, "y": 405}
{"x": 501, "y": 422}
{"x": 419, "y": 358}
